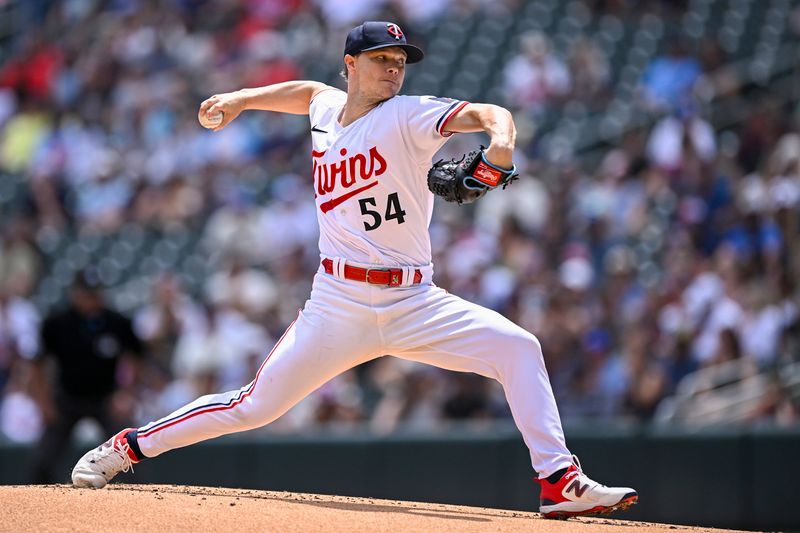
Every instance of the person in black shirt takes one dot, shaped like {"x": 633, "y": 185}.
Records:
{"x": 86, "y": 341}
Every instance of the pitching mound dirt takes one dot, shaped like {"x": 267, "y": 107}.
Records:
{"x": 171, "y": 508}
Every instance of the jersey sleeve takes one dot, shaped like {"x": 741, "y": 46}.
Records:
{"x": 322, "y": 103}
{"x": 426, "y": 118}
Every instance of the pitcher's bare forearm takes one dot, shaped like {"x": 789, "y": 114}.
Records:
{"x": 287, "y": 97}
{"x": 292, "y": 97}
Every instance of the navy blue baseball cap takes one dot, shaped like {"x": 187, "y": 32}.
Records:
{"x": 373, "y": 35}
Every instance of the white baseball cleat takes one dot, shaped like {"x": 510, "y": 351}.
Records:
{"x": 574, "y": 494}
{"x": 99, "y": 465}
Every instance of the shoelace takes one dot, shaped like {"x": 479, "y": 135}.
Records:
{"x": 116, "y": 459}
{"x": 574, "y": 473}
{"x": 580, "y": 473}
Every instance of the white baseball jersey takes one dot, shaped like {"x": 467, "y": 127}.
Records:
{"x": 370, "y": 177}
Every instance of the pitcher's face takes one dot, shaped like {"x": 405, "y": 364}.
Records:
{"x": 379, "y": 74}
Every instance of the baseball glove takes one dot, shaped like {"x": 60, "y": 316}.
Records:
{"x": 469, "y": 178}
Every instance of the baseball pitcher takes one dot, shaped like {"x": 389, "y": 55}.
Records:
{"x": 373, "y": 294}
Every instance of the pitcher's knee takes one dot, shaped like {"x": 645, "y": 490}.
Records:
{"x": 523, "y": 350}
{"x": 252, "y": 415}
{"x": 534, "y": 346}
{"x": 522, "y": 342}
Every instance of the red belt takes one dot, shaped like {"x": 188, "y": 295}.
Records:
{"x": 393, "y": 277}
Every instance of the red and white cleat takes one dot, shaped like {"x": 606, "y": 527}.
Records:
{"x": 574, "y": 494}
{"x": 99, "y": 465}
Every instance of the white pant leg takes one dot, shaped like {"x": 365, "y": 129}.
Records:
{"x": 443, "y": 330}
{"x": 335, "y": 332}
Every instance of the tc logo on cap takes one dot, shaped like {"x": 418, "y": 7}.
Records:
{"x": 395, "y": 31}
{"x": 376, "y": 34}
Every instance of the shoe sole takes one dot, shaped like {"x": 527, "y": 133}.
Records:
{"x": 88, "y": 481}
{"x": 600, "y": 510}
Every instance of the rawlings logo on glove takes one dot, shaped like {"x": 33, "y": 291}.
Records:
{"x": 469, "y": 178}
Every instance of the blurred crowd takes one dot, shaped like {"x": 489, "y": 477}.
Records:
{"x": 670, "y": 252}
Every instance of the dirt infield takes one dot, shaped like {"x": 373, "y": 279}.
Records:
{"x": 123, "y": 507}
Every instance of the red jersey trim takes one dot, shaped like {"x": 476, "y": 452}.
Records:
{"x": 458, "y": 108}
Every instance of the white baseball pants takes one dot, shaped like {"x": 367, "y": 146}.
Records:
{"x": 346, "y": 323}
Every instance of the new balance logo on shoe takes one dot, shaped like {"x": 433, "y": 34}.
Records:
{"x": 577, "y": 488}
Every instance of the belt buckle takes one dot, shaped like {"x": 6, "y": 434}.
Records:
{"x": 366, "y": 277}
{"x": 395, "y": 276}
